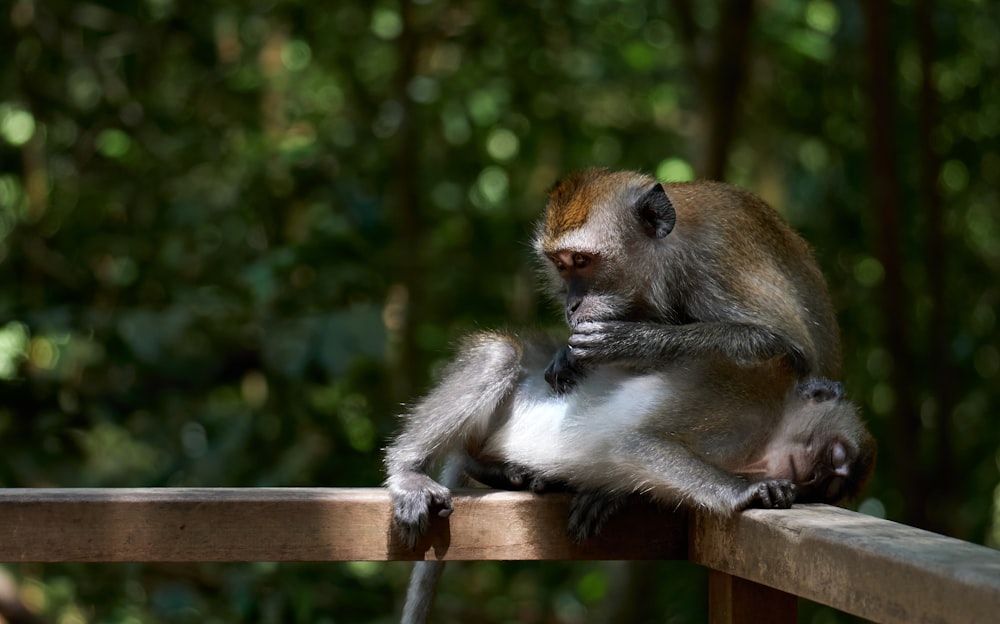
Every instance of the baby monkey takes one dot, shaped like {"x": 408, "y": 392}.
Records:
{"x": 702, "y": 431}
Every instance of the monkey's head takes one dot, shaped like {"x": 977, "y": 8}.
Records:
{"x": 822, "y": 444}
{"x": 595, "y": 221}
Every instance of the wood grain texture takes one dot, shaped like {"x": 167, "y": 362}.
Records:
{"x": 308, "y": 524}
{"x": 873, "y": 568}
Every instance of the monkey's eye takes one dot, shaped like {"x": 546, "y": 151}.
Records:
{"x": 580, "y": 260}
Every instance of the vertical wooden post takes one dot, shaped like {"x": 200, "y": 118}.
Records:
{"x": 733, "y": 600}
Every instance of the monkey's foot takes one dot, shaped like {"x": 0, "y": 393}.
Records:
{"x": 589, "y": 512}
{"x": 415, "y": 496}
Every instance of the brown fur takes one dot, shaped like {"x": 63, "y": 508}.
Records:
{"x": 729, "y": 258}
{"x": 569, "y": 202}
{"x": 576, "y": 197}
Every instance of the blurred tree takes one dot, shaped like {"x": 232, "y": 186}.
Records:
{"x": 890, "y": 216}
{"x": 235, "y": 236}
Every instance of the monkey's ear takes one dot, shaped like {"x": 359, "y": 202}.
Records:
{"x": 820, "y": 390}
{"x": 655, "y": 212}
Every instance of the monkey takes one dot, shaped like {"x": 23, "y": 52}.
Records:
{"x": 649, "y": 271}
{"x": 838, "y": 471}
{"x": 701, "y": 430}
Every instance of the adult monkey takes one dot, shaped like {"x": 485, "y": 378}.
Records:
{"x": 651, "y": 271}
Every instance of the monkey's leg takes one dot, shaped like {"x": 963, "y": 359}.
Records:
{"x": 648, "y": 344}
{"x": 425, "y": 575}
{"x": 456, "y": 414}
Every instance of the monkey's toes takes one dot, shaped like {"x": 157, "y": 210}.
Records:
{"x": 411, "y": 511}
{"x": 409, "y": 534}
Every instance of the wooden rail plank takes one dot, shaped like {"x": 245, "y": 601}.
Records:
{"x": 873, "y": 568}
{"x": 307, "y": 524}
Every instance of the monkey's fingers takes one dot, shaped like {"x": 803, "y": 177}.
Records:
{"x": 775, "y": 493}
{"x": 521, "y": 478}
{"x": 599, "y": 341}
{"x": 588, "y": 338}
{"x": 500, "y": 475}
{"x": 441, "y": 500}
{"x": 538, "y": 485}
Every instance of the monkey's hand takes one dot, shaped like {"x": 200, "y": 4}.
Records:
{"x": 605, "y": 341}
{"x": 589, "y": 512}
{"x": 770, "y": 494}
{"x": 414, "y": 497}
{"x": 563, "y": 371}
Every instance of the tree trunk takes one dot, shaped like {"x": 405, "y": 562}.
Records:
{"x": 728, "y": 75}
{"x": 404, "y": 296}
{"x": 904, "y": 451}
{"x": 720, "y": 78}
{"x": 936, "y": 268}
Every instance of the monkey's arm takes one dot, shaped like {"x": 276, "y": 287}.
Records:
{"x": 670, "y": 473}
{"x": 590, "y": 510}
{"x": 647, "y": 344}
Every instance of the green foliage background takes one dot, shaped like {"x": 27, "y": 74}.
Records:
{"x": 236, "y": 236}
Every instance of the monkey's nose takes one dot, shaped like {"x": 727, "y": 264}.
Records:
{"x": 572, "y": 305}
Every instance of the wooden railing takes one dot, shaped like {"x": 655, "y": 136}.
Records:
{"x": 759, "y": 561}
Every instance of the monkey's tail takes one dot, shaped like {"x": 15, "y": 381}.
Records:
{"x": 425, "y": 575}
{"x": 421, "y": 591}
